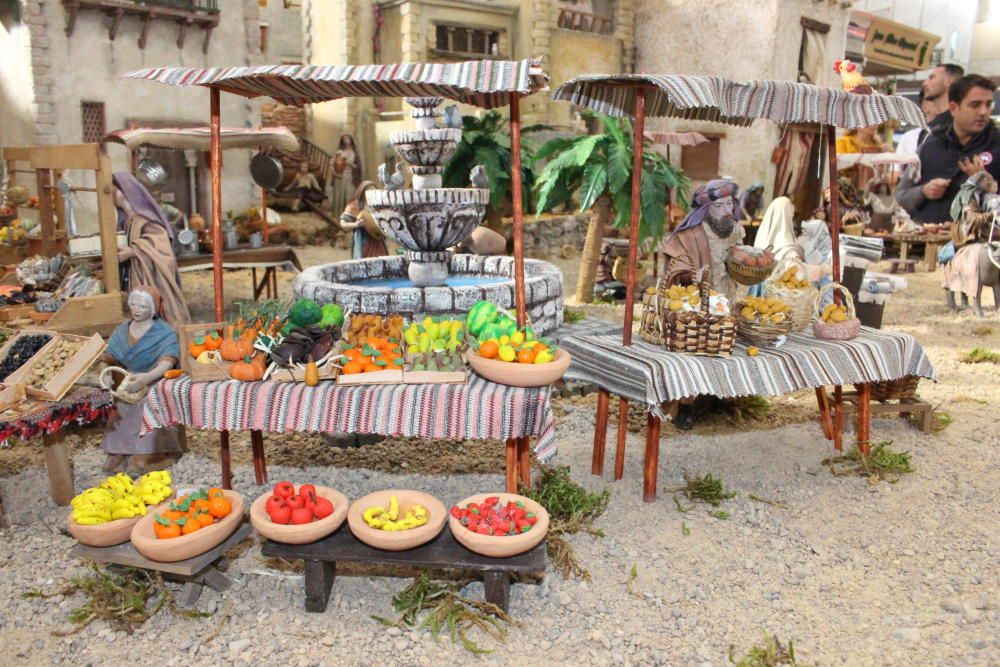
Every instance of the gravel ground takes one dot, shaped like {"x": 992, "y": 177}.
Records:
{"x": 852, "y": 572}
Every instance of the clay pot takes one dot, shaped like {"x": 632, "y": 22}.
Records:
{"x": 186, "y": 546}
{"x": 520, "y": 375}
{"x": 305, "y": 533}
{"x": 397, "y": 540}
{"x": 501, "y": 546}
{"x": 107, "y": 534}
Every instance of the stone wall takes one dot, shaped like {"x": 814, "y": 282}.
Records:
{"x": 332, "y": 283}
{"x": 551, "y": 235}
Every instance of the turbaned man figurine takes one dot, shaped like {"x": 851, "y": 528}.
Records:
{"x": 694, "y": 245}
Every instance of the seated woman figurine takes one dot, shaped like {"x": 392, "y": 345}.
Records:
{"x": 146, "y": 346}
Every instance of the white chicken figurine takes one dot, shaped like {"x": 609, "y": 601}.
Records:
{"x": 851, "y": 78}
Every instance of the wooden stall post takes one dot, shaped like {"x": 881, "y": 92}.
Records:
{"x": 215, "y": 162}
{"x": 516, "y": 194}
{"x": 831, "y": 140}
{"x": 600, "y": 432}
{"x": 107, "y": 220}
{"x": 45, "y": 212}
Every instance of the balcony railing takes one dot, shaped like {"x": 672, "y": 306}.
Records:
{"x": 570, "y": 19}
{"x": 193, "y": 5}
{"x": 203, "y": 14}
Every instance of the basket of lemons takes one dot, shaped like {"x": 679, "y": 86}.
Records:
{"x": 836, "y": 321}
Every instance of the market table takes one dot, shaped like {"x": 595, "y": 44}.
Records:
{"x": 651, "y": 375}
{"x": 932, "y": 244}
{"x": 31, "y": 418}
{"x": 269, "y": 258}
{"x": 478, "y": 410}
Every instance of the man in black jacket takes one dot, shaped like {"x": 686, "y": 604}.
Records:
{"x": 947, "y": 158}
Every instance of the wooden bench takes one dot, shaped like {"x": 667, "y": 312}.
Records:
{"x": 902, "y": 266}
{"x": 197, "y": 572}
{"x": 443, "y": 552}
{"x": 903, "y": 406}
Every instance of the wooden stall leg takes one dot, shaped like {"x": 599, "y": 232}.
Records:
{"x": 622, "y": 432}
{"x": 650, "y": 466}
{"x": 259, "y": 464}
{"x": 524, "y": 461}
{"x": 319, "y": 578}
{"x": 864, "y": 417}
{"x": 59, "y": 467}
{"x": 512, "y": 465}
{"x": 824, "y": 413}
{"x": 838, "y": 418}
{"x": 256, "y": 285}
{"x": 227, "y": 471}
{"x": 497, "y": 588}
{"x": 600, "y": 432}
{"x": 190, "y": 593}
{"x": 274, "y": 283}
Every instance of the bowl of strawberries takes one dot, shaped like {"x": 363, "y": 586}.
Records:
{"x": 498, "y": 525}
{"x": 298, "y": 516}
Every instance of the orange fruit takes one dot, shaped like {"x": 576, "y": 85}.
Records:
{"x": 190, "y": 527}
{"x": 204, "y": 518}
{"x": 526, "y": 357}
{"x": 219, "y": 507}
{"x": 489, "y": 349}
{"x": 352, "y": 367}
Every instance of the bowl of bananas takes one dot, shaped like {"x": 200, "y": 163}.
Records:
{"x": 104, "y": 515}
{"x": 396, "y": 519}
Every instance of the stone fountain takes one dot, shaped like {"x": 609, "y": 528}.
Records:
{"x": 427, "y": 220}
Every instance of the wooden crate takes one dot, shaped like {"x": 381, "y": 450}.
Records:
{"x": 11, "y": 395}
{"x": 76, "y": 366}
{"x": 18, "y": 375}
{"x": 327, "y": 372}
{"x": 186, "y": 334}
{"x": 390, "y": 376}
{"x": 84, "y": 315}
{"x": 11, "y": 313}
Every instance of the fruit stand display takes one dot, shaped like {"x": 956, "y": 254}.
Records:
{"x": 654, "y": 376}
{"x": 73, "y": 311}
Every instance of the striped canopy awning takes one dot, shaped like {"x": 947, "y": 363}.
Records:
{"x": 199, "y": 138}
{"x": 676, "y": 138}
{"x": 713, "y": 98}
{"x": 483, "y": 83}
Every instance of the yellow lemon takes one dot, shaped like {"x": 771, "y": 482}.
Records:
{"x": 838, "y": 316}
{"x": 507, "y": 353}
{"x": 752, "y": 351}
{"x": 517, "y": 338}
{"x": 676, "y": 304}
{"x": 544, "y": 357}
{"x": 748, "y": 313}
{"x": 505, "y": 340}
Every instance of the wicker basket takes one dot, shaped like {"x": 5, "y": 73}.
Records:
{"x": 888, "y": 390}
{"x": 689, "y": 332}
{"x": 761, "y": 334}
{"x": 747, "y": 275}
{"x": 802, "y": 301}
{"x": 837, "y": 330}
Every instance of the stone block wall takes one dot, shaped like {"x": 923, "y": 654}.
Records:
{"x": 336, "y": 283}
{"x": 552, "y": 235}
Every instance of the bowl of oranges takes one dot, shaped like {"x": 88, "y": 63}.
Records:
{"x": 516, "y": 361}
{"x": 189, "y": 526}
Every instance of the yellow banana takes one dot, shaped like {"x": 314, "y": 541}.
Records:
{"x": 393, "y": 508}
{"x": 89, "y": 520}
{"x": 372, "y": 513}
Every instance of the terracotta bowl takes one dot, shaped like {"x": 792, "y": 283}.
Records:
{"x": 186, "y": 546}
{"x": 397, "y": 540}
{"x": 110, "y": 533}
{"x": 520, "y": 375}
{"x": 500, "y": 546}
{"x": 303, "y": 534}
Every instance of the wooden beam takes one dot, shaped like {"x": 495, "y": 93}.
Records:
{"x": 45, "y": 213}
{"x": 70, "y": 156}
{"x": 182, "y": 33}
{"x": 107, "y": 220}
{"x": 146, "y": 19}
{"x": 516, "y": 195}
{"x": 813, "y": 24}
{"x": 116, "y": 19}
{"x": 215, "y": 163}
{"x": 208, "y": 37}
{"x": 71, "y": 9}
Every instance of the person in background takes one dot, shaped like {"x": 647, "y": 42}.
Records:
{"x": 912, "y": 138}
{"x": 777, "y": 231}
{"x": 935, "y": 92}
{"x": 948, "y": 158}
{"x": 149, "y": 258}
{"x": 346, "y": 173}
{"x": 751, "y": 202}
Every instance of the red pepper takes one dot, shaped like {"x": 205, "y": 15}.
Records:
{"x": 456, "y": 512}
{"x": 492, "y": 500}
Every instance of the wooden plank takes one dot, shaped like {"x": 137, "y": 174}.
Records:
{"x": 107, "y": 219}
{"x": 59, "y": 467}
{"x": 125, "y": 554}
{"x": 66, "y": 156}
{"x": 259, "y": 256}
{"x": 442, "y": 552}
{"x": 45, "y": 212}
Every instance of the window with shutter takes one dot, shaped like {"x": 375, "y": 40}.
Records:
{"x": 93, "y": 124}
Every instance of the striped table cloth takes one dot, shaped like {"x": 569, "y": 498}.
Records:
{"x": 650, "y": 374}
{"x": 479, "y": 410}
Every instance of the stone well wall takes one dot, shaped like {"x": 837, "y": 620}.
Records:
{"x": 334, "y": 283}
{"x": 552, "y": 235}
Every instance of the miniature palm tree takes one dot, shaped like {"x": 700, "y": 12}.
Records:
{"x": 599, "y": 167}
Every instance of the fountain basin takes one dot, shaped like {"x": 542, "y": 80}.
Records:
{"x": 428, "y": 220}
{"x": 380, "y": 286}
{"x": 430, "y": 147}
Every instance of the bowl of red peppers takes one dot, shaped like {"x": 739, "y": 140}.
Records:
{"x": 498, "y": 525}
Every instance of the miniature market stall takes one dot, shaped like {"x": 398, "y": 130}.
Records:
{"x": 483, "y": 407}
{"x": 650, "y": 374}
{"x": 82, "y": 315}
{"x": 268, "y": 259}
